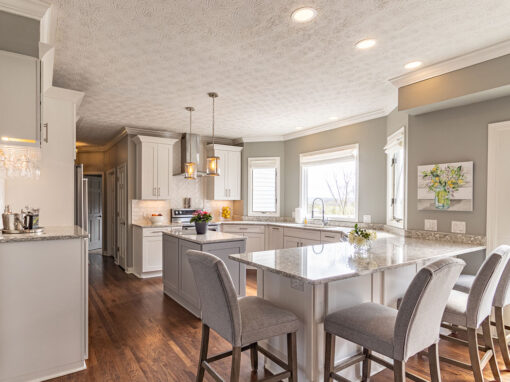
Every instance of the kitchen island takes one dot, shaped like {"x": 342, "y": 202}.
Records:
{"x": 316, "y": 280}
{"x": 43, "y": 303}
{"x": 178, "y": 281}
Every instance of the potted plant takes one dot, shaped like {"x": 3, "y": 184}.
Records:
{"x": 361, "y": 238}
{"x": 201, "y": 220}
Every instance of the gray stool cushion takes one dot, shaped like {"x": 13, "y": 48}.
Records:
{"x": 369, "y": 325}
{"x": 260, "y": 320}
{"x": 456, "y": 307}
{"x": 464, "y": 283}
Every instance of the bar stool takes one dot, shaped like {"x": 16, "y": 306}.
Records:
{"x": 398, "y": 334}
{"x": 241, "y": 321}
{"x": 471, "y": 311}
{"x": 501, "y": 299}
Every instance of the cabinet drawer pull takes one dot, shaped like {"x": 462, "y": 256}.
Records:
{"x": 243, "y": 228}
{"x": 156, "y": 232}
{"x": 276, "y": 228}
{"x": 329, "y": 237}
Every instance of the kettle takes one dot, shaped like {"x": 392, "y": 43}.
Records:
{"x": 9, "y": 219}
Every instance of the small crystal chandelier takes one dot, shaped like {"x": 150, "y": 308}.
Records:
{"x": 212, "y": 161}
{"x": 190, "y": 168}
{"x": 19, "y": 162}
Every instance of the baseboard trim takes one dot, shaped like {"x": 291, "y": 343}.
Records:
{"x": 51, "y": 373}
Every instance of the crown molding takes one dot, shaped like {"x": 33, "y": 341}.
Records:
{"x": 269, "y": 138}
{"x": 336, "y": 124}
{"x": 105, "y": 147}
{"x": 456, "y": 63}
{"x": 153, "y": 132}
{"x": 34, "y": 9}
{"x": 73, "y": 96}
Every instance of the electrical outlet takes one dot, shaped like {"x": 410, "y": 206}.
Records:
{"x": 458, "y": 227}
{"x": 430, "y": 225}
{"x": 367, "y": 218}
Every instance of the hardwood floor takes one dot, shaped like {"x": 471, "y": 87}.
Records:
{"x": 138, "y": 334}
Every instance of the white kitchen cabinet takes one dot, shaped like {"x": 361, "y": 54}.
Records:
{"x": 153, "y": 167}
{"x": 147, "y": 251}
{"x": 20, "y": 99}
{"x": 226, "y": 186}
{"x": 255, "y": 235}
{"x": 331, "y": 237}
{"x": 291, "y": 242}
{"x": 275, "y": 237}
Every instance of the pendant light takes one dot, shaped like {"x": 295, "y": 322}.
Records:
{"x": 212, "y": 161}
{"x": 190, "y": 168}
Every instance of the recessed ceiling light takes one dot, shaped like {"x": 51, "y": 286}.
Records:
{"x": 333, "y": 118}
{"x": 299, "y": 127}
{"x": 365, "y": 44}
{"x": 303, "y": 15}
{"x": 413, "y": 65}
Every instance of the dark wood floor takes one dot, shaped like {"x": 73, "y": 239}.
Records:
{"x": 138, "y": 334}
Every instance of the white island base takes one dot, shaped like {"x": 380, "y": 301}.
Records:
{"x": 313, "y": 302}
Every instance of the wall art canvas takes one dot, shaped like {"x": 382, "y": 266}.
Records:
{"x": 446, "y": 187}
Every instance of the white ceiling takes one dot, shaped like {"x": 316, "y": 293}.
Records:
{"x": 140, "y": 62}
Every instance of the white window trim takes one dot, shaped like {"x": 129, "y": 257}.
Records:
{"x": 302, "y": 199}
{"x": 395, "y": 140}
{"x": 251, "y": 161}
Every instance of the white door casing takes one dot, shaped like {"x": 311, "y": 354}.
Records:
{"x": 95, "y": 211}
{"x": 498, "y": 185}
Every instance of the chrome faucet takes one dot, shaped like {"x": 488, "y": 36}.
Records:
{"x": 324, "y": 220}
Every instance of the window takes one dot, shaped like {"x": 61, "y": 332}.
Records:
{"x": 396, "y": 178}
{"x": 264, "y": 186}
{"x": 331, "y": 175}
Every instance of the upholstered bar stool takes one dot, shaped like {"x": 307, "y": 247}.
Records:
{"x": 471, "y": 311}
{"x": 241, "y": 321}
{"x": 398, "y": 334}
{"x": 501, "y": 299}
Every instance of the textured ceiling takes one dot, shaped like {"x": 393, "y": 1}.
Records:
{"x": 140, "y": 62}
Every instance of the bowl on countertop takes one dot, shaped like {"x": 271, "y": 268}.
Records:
{"x": 158, "y": 220}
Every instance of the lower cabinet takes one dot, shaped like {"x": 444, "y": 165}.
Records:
{"x": 254, "y": 234}
{"x": 295, "y": 237}
{"x": 147, "y": 251}
{"x": 275, "y": 238}
{"x": 178, "y": 280}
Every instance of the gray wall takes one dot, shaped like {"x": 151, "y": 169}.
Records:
{"x": 257, "y": 150}
{"x": 371, "y": 137}
{"x": 395, "y": 120}
{"x": 452, "y": 135}
{"x": 19, "y": 34}
{"x": 488, "y": 75}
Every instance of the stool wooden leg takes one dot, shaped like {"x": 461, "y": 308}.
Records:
{"x": 474, "y": 355}
{"x": 500, "y": 328}
{"x": 254, "y": 356}
{"x": 329, "y": 360}
{"x": 399, "y": 368}
{"x": 236, "y": 364}
{"x": 204, "y": 346}
{"x": 365, "y": 370}
{"x": 435, "y": 371}
{"x": 292, "y": 356}
{"x": 487, "y": 339}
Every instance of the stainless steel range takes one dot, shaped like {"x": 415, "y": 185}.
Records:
{"x": 183, "y": 216}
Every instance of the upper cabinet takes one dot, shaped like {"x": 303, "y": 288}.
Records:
{"x": 226, "y": 186}
{"x": 20, "y": 99}
{"x": 153, "y": 167}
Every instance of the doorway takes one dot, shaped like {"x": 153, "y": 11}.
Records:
{"x": 121, "y": 213}
{"x": 498, "y": 185}
{"x": 95, "y": 209}
{"x": 110, "y": 244}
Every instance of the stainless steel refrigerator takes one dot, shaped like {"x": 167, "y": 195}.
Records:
{"x": 81, "y": 208}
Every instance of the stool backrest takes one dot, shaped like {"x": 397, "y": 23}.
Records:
{"x": 502, "y": 295}
{"x": 218, "y": 297}
{"x": 484, "y": 286}
{"x": 419, "y": 317}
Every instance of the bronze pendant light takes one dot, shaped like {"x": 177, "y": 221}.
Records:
{"x": 190, "y": 168}
{"x": 212, "y": 161}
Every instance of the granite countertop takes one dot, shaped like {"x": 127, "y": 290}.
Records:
{"x": 207, "y": 238}
{"x": 50, "y": 233}
{"x": 345, "y": 230}
{"x": 166, "y": 225}
{"x": 323, "y": 263}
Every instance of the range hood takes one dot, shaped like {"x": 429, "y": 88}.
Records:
{"x": 190, "y": 150}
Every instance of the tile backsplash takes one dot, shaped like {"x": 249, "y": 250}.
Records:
{"x": 181, "y": 188}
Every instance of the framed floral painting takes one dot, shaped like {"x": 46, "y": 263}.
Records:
{"x": 446, "y": 187}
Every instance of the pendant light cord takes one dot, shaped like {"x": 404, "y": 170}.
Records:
{"x": 190, "y": 120}
{"x": 213, "y": 120}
